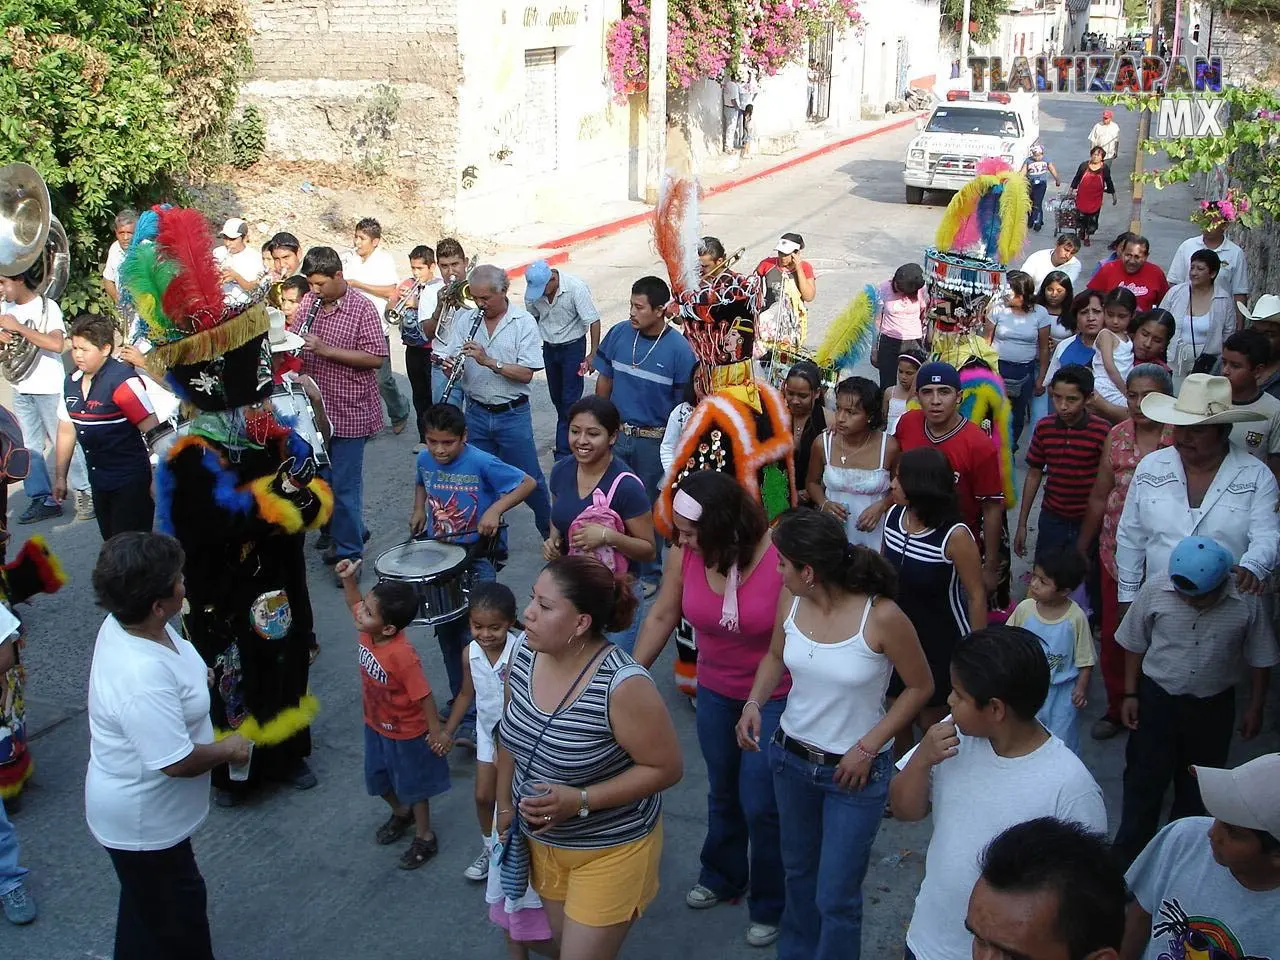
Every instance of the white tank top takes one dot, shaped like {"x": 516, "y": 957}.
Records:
{"x": 837, "y": 689}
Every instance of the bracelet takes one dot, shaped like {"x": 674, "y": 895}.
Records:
{"x": 863, "y": 752}
{"x": 752, "y": 703}
{"x": 501, "y": 812}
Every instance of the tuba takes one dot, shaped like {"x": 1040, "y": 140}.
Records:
{"x": 33, "y": 244}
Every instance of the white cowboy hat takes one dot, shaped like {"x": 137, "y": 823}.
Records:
{"x": 1267, "y": 308}
{"x": 1203, "y": 400}
{"x": 282, "y": 340}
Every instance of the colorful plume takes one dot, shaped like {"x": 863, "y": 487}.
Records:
{"x": 146, "y": 275}
{"x": 849, "y": 335}
{"x": 194, "y": 295}
{"x": 675, "y": 230}
{"x": 983, "y": 401}
{"x": 988, "y": 216}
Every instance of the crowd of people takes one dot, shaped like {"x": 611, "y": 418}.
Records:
{"x": 858, "y": 655}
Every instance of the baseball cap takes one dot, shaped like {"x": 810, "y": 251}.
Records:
{"x": 1198, "y": 566}
{"x": 235, "y": 227}
{"x": 1248, "y": 796}
{"x": 536, "y": 278}
{"x": 1107, "y": 114}
{"x": 938, "y": 374}
{"x": 789, "y": 243}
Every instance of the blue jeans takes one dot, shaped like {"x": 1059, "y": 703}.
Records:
{"x": 1019, "y": 384}
{"x": 398, "y": 409}
{"x": 37, "y": 416}
{"x": 10, "y": 873}
{"x": 346, "y": 472}
{"x": 438, "y": 379}
{"x": 1056, "y": 532}
{"x": 562, "y": 363}
{"x": 827, "y": 832}
{"x": 1038, "y": 189}
{"x": 455, "y": 636}
{"x": 642, "y": 455}
{"x": 626, "y": 639}
{"x": 509, "y": 436}
{"x": 742, "y": 850}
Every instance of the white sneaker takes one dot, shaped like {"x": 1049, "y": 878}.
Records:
{"x": 701, "y": 898}
{"x": 479, "y": 869}
{"x": 84, "y": 505}
{"x": 761, "y": 934}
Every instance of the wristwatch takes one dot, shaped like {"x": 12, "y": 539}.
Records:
{"x": 583, "y": 807}
{"x": 497, "y": 366}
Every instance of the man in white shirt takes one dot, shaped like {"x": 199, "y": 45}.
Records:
{"x": 1233, "y": 276}
{"x": 126, "y": 222}
{"x": 372, "y": 271}
{"x": 562, "y": 305}
{"x": 1245, "y": 355}
{"x": 24, "y": 314}
{"x": 988, "y": 766}
{"x": 1062, "y": 256}
{"x": 241, "y": 265}
{"x": 1106, "y": 134}
{"x": 731, "y": 97}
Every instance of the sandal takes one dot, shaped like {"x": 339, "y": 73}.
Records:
{"x": 394, "y": 828}
{"x": 419, "y": 852}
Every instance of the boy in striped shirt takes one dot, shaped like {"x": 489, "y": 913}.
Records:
{"x": 1067, "y": 446}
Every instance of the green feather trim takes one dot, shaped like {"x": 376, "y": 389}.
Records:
{"x": 775, "y": 491}
{"x": 146, "y": 276}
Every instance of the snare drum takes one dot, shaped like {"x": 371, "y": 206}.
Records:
{"x": 440, "y": 573}
{"x": 292, "y": 404}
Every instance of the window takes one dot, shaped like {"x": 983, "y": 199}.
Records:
{"x": 989, "y": 123}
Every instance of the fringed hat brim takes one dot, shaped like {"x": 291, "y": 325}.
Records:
{"x": 210, "y": 344}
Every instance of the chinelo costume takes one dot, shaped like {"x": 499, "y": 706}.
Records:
{"x": 238, "y": 491}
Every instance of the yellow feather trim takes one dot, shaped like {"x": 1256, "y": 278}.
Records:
{"x": 1015, "y": 207}
{"x": 9, "y": 791}
{"x": 324, "y": 493}
{"x": 274, "y": 508}
{"x": 285, "y": 724}
{"x": 210, "y": 344}
{"x": 846, "y": 330}
{"x": 962, "y": 206}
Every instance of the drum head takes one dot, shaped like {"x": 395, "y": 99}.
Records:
{"x": 420, "y": 560}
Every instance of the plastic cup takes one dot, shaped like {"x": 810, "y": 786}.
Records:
{"x": 239, "y": 772}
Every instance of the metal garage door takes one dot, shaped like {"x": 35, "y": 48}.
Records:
{"x": 541, "y": 136}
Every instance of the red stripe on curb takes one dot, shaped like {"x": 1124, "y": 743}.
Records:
{"x": 616, "y": 226}
{"x": 553, "y": 259}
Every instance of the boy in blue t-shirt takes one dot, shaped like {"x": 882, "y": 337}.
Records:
{"x": 460, "y": 496}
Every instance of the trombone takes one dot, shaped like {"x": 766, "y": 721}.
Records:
{"x": 724, "y": 265}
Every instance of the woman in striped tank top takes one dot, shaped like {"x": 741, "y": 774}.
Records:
{"x": 586, "y": 749}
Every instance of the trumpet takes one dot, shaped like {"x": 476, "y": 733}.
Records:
{"x": 456, "y": 296}
{"x": 395, "y": 315}
{"x": 724, "y": 264}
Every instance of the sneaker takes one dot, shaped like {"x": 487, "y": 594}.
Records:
{"x": 38, "y": 510}
{"x": 84, "y": 505}
{"x": 762, "y": 934}
{"x": 702, "y": 898}
{"x": 1104, "y": 728}
{"x": 323, "y": 542}
{"x": 302, "y": 777}
{"x": 479, "y": 869}
{"x": 19, "y": 908}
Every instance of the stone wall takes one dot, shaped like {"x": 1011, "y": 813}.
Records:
{"x": 322, "y": 72}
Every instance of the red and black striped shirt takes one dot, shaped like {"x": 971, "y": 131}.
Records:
{"x": 1069, "y": 455}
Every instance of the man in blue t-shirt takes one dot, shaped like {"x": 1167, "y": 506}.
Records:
{"x": 644, "y": 368}
{"x": 460, "y": 496}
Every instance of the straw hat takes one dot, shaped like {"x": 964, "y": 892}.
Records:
{"x": 1203, "y": 400}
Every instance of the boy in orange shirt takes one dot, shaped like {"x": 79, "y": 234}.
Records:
{"x": 399, "y": 714}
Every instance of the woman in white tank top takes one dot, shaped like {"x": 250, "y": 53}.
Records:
{"x": 831, "y": 754}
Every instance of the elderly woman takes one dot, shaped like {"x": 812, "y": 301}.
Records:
{"x": 726, "y": 583}
{"x": 1201, "y": 486}
{"x": 151, "y": 748}
{"x": 586, "y": 748}
{"x": 1125, "y": 446}
{"x": 1203, "y": 314}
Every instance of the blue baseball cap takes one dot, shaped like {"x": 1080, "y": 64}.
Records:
{"x": 536, "y": 278}
{"x": 938, "y": 374}
{"x": 1199, "y": 565}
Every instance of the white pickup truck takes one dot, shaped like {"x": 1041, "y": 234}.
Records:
{"x": 963, "y": 129}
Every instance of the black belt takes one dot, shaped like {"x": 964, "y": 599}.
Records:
{"x": 502, "y": 407}
{"x": 804, "y": 751}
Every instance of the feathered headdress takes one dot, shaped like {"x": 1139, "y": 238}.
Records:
{"x": 988, "y": 216}
{"x": 675, "y": 230}
{"x": 849, "y": 335}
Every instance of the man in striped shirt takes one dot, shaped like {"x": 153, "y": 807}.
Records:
{"x": 1068, "y": 447}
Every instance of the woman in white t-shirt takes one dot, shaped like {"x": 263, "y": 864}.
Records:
{"x": 151, "y": 748}
{"x": 1018, "y": 328}
{"x": 831, "y": 754}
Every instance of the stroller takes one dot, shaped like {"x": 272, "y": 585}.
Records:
{"x": 1066, "y": 219}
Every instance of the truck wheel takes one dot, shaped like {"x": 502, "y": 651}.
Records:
{"x": 915, "y": 194}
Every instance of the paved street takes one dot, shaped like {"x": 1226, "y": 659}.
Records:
{"x": 298, "y": 875}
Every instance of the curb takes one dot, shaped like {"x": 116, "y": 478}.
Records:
{"x": 553, "y": 260}
{"x": 560, "y": 244}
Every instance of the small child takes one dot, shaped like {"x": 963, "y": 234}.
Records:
{"x": 903, "y": 392}
{"x": 1063, "y": 629}
{"x": 1114, "y": 357}
{"x": 399, "y": 714}
{"x": 493, "y": 622}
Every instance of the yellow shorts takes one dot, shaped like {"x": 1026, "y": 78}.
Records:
{"x": 599, "y": 888}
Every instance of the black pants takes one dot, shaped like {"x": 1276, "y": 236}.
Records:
{"x": 129, "y": 508}
{"x": 163, "y": 905}
{"x": 887, "y": 351}
{"x": 1173, "y": 733}
{"x": 417, "y": 366}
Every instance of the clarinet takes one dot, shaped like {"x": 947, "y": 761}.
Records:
{"x": 456, "y": 375}
{"x": 310, "y": 318}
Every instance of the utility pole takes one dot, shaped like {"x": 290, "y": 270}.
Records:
{"x": 1144, "y": 125}
{"x": 964, "y": 38}
{"x": 656, "y": 138}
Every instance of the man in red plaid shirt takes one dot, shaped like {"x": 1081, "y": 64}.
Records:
{"x": 344, "y": 347}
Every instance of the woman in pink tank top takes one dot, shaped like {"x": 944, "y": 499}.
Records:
{"x": 725, "y": 581}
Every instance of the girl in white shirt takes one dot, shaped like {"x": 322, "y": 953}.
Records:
{"x": 1014, "y": 328}
{"x": 1113, "y": 358}
{"x": 831, "y": 753}
{"x": 1055, "y": 295}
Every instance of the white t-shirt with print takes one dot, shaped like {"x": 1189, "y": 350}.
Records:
{"x": 1258, "y": 438}
{"x": 247, "y": 263}
{"x": 148, "y": 708}
{"x": 379, "y": 270}
{"x": 976, "y": 796}
{"x": 43, "y": 316}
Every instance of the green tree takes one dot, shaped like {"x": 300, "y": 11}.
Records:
{"x": 985, "y": 13}
{"x": 115, "y": 102}
{"x": 1135, "y": 13}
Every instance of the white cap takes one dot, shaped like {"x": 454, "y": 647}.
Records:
{"x": 786, "y": 246}
{"x": 235, "y": 227}
{"x": 1248, "y": 796}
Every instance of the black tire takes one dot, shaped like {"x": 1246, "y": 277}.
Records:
{"x": 915, "y": 195}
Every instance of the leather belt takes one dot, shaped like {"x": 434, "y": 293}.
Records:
{"x": 804, "y": 751}
{"x": 501, "y": 407}
{"x": 648, "y": 433}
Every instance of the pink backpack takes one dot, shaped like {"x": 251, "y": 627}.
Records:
{"x": 601, "y": 512}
